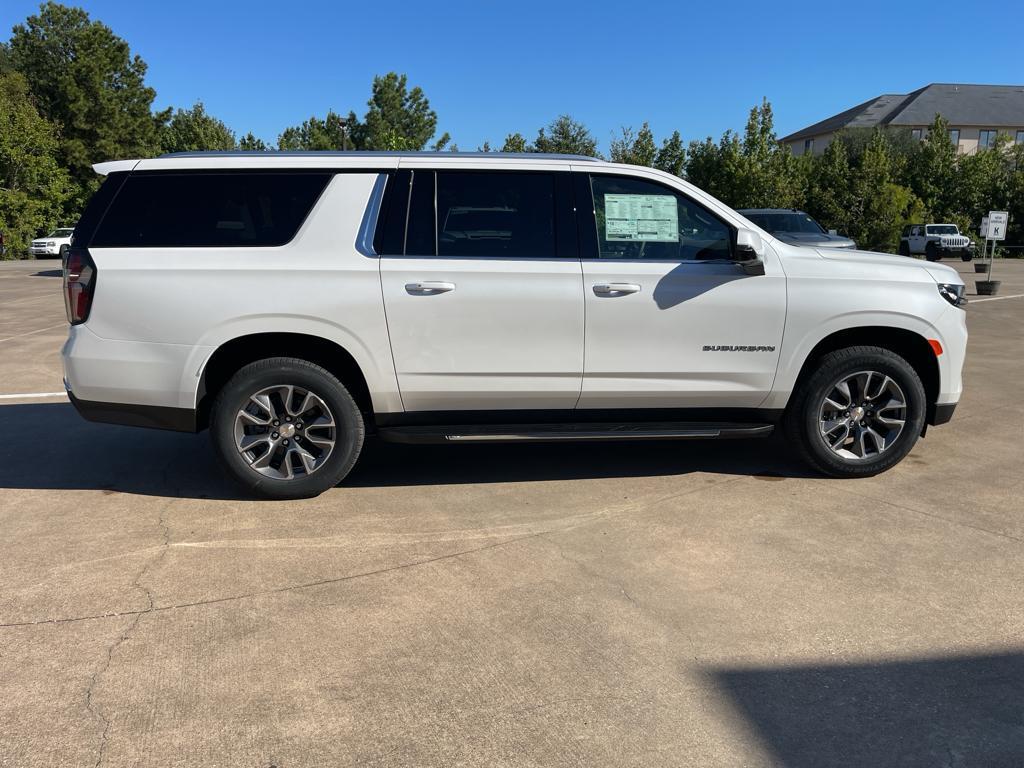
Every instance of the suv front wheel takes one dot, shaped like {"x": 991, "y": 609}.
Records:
{"x": 285, "y": 428}
{"x": 858, "y": 414}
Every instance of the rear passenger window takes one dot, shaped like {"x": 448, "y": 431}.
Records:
{"x": 182, "y": 210}
{"x": 502, "y": 215}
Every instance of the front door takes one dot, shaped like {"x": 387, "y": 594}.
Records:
{"x": 671, "y": 321}
{"x": 484, "y": 302}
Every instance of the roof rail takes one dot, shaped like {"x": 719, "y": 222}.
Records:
{"x": 279, "y": 153}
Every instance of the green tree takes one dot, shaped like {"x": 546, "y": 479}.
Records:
{"x": 192, "y": 130}
{"x": 250, "y": 143}
{"x": 932, "y": 171}
{"x": 515, "y": 142}
{"x": 983, "y": 181}
{"x": 398, "y": 118}
{"x": 767, "y": 174}
{"x": 316, "y": 134}
{"x": 671, "y": 157}
{"x": 634, "y": 148}
{"x": 85, "y": 79}
{"x": 830, "y": 198}
{"x": 33, "y": 186}
{"x": 566, "y": 136}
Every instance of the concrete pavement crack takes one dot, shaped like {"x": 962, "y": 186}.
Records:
{"x": 137, "y": 583}
{"x": 628, "y": 509}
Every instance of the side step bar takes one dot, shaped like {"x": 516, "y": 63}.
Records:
{"x": 516, "y": 433}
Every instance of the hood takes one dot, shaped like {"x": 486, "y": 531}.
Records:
{"x": 815, "y": 239}
{"x": 940, "y": 273}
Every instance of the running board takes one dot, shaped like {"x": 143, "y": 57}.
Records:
{"x": 539, "y": 433}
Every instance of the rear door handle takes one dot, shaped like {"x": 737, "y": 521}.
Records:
{"x": 429, "y": 287}
{"x": 616, "y": 289}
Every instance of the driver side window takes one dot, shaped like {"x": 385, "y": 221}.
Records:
{"x": 638, "y": 219}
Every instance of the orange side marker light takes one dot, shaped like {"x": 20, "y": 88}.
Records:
{"x": 936, "y": 346}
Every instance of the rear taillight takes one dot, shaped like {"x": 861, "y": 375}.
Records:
{"x": 79, "y": 284}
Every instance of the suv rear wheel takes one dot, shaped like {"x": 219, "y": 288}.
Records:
{"x": 285, "y": 428}
{"x": 931, "y": 252}
{"x": 858, "y": 414}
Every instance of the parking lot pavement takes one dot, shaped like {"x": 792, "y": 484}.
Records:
{"x": 634, "y": 604}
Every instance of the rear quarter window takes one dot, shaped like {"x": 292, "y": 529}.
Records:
{"x": 193, "y": 210}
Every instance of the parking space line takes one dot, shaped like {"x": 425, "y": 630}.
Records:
{"x": 37, "y": 330}
{"x": 997, "y": 298}
{"x": 30, "y": 395}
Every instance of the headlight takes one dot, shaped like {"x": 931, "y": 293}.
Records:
{"x": 50, "y": 243}
{"x": 953, "y": 293}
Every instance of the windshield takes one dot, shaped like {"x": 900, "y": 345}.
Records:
{"x": 943, "y": 229}
{"x": 61, "y": 233}
{"x": 786, "y": 222}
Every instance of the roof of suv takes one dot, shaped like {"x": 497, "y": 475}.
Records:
{"x": 197, "y": 160}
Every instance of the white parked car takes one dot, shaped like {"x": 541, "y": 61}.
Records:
{"x": 53, "y": 245}
{"x": 295, "y": 303}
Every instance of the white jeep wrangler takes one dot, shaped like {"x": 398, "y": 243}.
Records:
{"x": 296, "y": 303}
{"x": 935, "y": 241}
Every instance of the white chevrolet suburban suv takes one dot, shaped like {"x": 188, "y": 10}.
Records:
{"x": 295, "y": 303}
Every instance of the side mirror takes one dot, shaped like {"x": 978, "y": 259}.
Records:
{"x": 748, "y": 251}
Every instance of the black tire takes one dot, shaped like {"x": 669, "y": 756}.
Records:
{"x": 904, "y": 249}
{"x": 803, "y": 428}
{"x": 967, "y": 256}
{"x": 932, "y": 253}
{"x": 348, "y": 432}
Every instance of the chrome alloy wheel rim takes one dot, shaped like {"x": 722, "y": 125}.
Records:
{"x": 862, "y": 416}
{"x": 284, "y": 432}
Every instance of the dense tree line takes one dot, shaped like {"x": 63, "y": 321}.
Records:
{"x": 73, "y": 94}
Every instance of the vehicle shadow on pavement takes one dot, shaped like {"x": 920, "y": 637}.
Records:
{"x": 953, "y": 711}
{"x": 55, "y": 448}
{"x": 49, "y": 273}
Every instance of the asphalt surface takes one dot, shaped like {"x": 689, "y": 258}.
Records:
{"x": 701, "y": 604}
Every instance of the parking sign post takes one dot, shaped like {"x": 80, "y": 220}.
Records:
{"x": 996, "y": 231}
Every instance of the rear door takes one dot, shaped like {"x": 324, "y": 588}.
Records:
{"x": 672, "y": 321}
{"x": 483, "y": 296}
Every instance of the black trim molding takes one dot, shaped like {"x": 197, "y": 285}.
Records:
{"x": 131, "y": 415}
{"x": 581, "y": 416}
{"x": 943, "y": 414}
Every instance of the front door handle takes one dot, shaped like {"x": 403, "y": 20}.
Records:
{"x": 616, "y": 289}
{"x": 429, "y": 287}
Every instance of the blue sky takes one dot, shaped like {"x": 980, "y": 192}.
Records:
{"x": 491, "y": 68}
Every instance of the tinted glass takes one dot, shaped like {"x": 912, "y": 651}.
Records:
{"x": 209, "y": 209}
{"x": 641, "y": 220}
{"x": 942, "y": 229}
{"x": 421, "y": 237}
{"x": 97, "y": 208}
{"x": 389, "y": 238}
{"x": 61, "y": 233}
{"x": 505, "y": 215}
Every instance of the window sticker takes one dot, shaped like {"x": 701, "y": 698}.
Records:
{"x": 644, "y": 218}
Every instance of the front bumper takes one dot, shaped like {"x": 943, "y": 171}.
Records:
{"x": 43, "y": 250}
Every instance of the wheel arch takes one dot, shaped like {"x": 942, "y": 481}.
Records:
{"x": 232, "y": 355}
{"x": 910, "y": 345}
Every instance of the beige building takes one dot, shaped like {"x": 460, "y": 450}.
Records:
{"x": 976, "y": 115}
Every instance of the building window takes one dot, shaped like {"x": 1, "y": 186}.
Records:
{"x": 1020, "y": 137}
{"x": 808, "y": 146}
{"x": 954, "y": 136}
{"x": 986, "y": 139}
{"x": 915, "y": 134}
